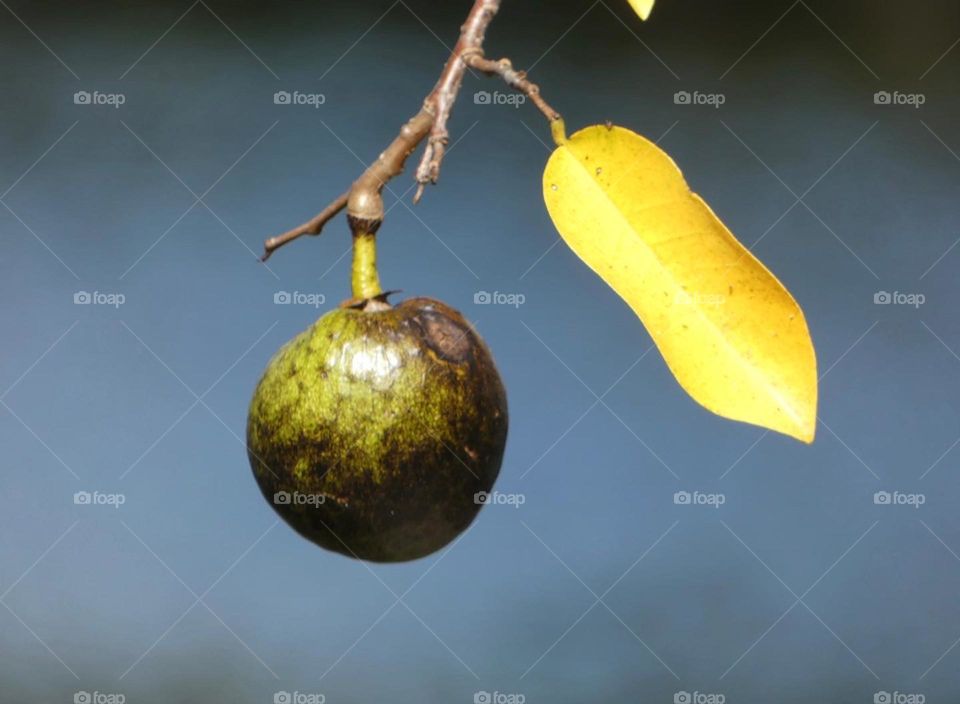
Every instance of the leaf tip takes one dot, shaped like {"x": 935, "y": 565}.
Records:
{"x": 642, "y": 7}
{"x": 801, "y": 424}
{"x": 806, "y": 433}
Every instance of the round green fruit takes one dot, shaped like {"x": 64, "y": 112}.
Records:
{"x": 372, "y": 432}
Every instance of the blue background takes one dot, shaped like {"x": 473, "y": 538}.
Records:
{"x": 798, "y": 588}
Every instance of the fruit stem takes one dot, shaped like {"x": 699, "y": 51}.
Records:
{"x": 364, "y": 278}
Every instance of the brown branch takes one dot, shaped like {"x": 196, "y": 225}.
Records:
{"x": 444, "y": 95}
{"x": 365, "y": 203}
{"x": 311, "y": 227}
{"x": 513, "y": 78}
{"x": 364, "y": 199}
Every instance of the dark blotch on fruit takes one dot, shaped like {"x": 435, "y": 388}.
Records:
{"x": 448, "y": 338}
{"x": 372, "y": 431}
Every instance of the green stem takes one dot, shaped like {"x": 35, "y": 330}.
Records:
{"x": 364, "y": 277}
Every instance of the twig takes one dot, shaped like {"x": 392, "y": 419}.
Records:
{"x": 311, "y": 227}
{"x": 513, "y": 78}
{"x": 444, "y": 95}
{"x": 365, "y": 204}
{"x": 364, "y": 200}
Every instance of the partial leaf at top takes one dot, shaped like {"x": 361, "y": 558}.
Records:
{"x": 642, "y": 7}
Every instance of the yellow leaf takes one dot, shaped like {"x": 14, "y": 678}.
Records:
{"x": 730, "y": 332}
{"x": 642, "y": 7}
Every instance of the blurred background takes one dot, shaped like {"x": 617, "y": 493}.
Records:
{"x": 145, "y": 159}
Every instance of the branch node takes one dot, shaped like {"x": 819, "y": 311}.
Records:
{"x": 363, "y": 200}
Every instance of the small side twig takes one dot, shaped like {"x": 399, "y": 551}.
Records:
{"x": 311, "y": 227}
{"x": 513, "y": 78}
{"x": 471, "y": 56}
{"x": 445, "y": 93}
